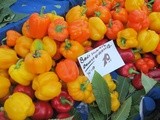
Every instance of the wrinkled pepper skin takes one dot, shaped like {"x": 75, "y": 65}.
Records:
{"x": 4, "y": 86}
{"x": 19, "y": 106}
{"x": 46, "y": 86}
{"x": 155, "y": 74}
{"x": 145, "y": 64}
{"x": 20, "y": 74}
{"x": 148, "y": 40}
{"x": 97, "y": 28}
{"x": 110, "y": 82}
{"x": 115, "y": 103}
{"x": 80, "y": 89}
{"x": 62, "y": 103}
{"x": 127, "y": 38}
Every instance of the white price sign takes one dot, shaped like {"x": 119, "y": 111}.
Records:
{"x": 104, "y": 59}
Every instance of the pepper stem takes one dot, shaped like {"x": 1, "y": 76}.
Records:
{"x": 37, "y": 54}
{"x": 67, "y": 44}
{"x": 84, "y": 85}
{"x": 3, "y": 41}
{"x": 18, "y": 64}
{"x": 132, "y": 71}
{"x": 64, "y": 101}
{"x": 97, "y": 13}
{"x": 42, "y": 10}
{"x": 84, "y": 10}
{"x": 123, "y": 41}
{"x": 59, "y": 28}
{"x": 110, "y": 23}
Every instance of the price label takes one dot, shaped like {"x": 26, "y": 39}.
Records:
{"x": 103, "y": 59}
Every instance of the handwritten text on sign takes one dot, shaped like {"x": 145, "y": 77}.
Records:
{"x": 104, "y": 59}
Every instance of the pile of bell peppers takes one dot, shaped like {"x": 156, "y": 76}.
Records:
{"x": 39, "y": 71}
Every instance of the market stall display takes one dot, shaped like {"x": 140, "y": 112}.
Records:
{"x": 50, "y": 59}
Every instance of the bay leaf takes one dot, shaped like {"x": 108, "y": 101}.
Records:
{"x": 147, "y": 82}
{"x": 123, "y": 111}
{"x": 102, "y": 94}
{"x": 122, "y": 87}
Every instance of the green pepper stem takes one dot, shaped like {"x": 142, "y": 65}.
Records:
{"x": 37, "y": 54}
{"x": 132, "y": 71}
{"x": 110, "y": 23}
{"x": 67, "y": 44}
{"x": 18, "y": 64}
{"x": 59, "y": 28}
{"x": 42, "y": 10}
{"x": 64, "y": 101}
{"x": 97, "y": 13}
{"x": 104, "y": 3}
{"x": 84, "y": 85}
{"x": 84, "y": 10}
{"x": 3, "y": 41}
{"x": 116, "y": 5}
{"x": 123, "y": 41}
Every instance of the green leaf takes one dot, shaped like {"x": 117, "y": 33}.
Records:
{"x": 122, "y": 87}
{"x": 95, "y": 113}
{"x": 123, "y": 111}
{"x": 134, "y": 111}
{"x": 147, "y": 82}
{"x": 137, "y": 96}
{"x": 102, "y": 94}
{"x": 6, "y": 3}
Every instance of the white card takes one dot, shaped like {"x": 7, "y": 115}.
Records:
{"x": 104, "y": 59}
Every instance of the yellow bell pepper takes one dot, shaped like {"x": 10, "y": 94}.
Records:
{"x": 109, "y": 82}
{"x": 127, "y": 38}
{"x": 90, "y": 99}
{"x": 131, "y": 5}
{"x": 20, "y": 74}
{"x": 148, "y": 40}
{"x": 76, "y": 13}
{"x": 154, "y": 18}
{"x": 97, "y": 28}
{"x": 46, "y": 86}
{"x": 80, "y": 89}
{"x": 115, "y": 104}
{"x": 53, "y": 16}
{"x": 4, "y": 86}
{"x": 46, "y": 44}
{"x": 19, "y": 106}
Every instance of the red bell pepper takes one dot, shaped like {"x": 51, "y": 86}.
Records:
{"x": 43, "y": 111}
{"x": 136, "y": 82}
{"x": 63, "y": 115}
{"x": 145, "y": 64}
{"x": 127, "y": 55}
{"x": 154, "y": 73}
{"x": 62, "y": 103}
{"x": 156, "y": 6}
{"x": 128, "y": 70}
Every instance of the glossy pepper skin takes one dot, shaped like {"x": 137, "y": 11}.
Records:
{"x": 148, "y": 40}
{"x": 71, "y": 49}
{"x": 127, "y": 38}
{"x": 4, "y": 86}
{"x": 97, "y": 28}
{"x": 154, "y": 73}
{"x": 127, "y": 55}
{"x": 38, "y": 24}
{"x": 19, "y": 106}
{"x": 128, "y": 70}
{"x": 154, "y": 18}
{"x": 20, "y": 74}
{"x": 136, "y": 82}
{"x": 46, "y": 86}
{"x": 63, "y": 102}
{"x": 145, "y": 64}
{"x": 43, "y": 110}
